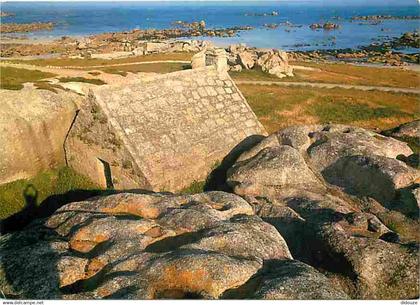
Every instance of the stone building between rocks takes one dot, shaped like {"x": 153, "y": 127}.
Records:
{"x": 162, "y": 133}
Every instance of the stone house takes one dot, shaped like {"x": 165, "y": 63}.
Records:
{"x": 162, "y": 133}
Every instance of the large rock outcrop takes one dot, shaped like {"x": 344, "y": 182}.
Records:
{"x": 271, "y": 61}
{"x": 33, "y": 128}
{"x": 147, "y": 246}
{"x": 340, "y": 196}
{"x": 409, "y": 131}
{"x": 326, "y": 212}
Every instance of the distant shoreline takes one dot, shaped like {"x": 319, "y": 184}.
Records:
{"x": 274, "y": 25}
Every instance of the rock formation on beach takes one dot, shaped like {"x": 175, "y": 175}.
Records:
{"x": 309, "y": 217}
{"x": 329, "y": 190}
{"x": 6, "y": 14}
{"x": 271, "y": 61}
{"x": 409, "y": 39}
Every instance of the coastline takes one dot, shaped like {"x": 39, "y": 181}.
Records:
{"x": 394, "y": 52}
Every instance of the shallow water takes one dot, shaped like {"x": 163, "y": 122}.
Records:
{"x": 75, "y": 19}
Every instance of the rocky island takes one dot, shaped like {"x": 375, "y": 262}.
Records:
{"x": 326, "y": 26}
{"x": 26, "y": 27}
{"x": 384, "y": 17}
{"x": 6, "y": 14}
{"x": 273, "y": 13}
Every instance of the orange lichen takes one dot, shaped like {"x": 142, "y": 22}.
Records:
{"x": 135, "y": 207}
{"x": 154, "y": 232}
{"x": 178, "y": 280}
{"x": 85, "y": 240}
{"x": 94, "y": 266}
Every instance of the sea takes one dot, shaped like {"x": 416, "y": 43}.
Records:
{"x": 86, "y": 18}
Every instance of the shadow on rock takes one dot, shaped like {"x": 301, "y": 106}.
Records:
{"x": 46, "y": 208}
{"x": 286, "y": 280}
{"x": 23, "y": 272}
{"x": 216, "y": 181}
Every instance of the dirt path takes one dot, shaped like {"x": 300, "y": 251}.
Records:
{"x": 328, "y": 86}
{"x": 80, "y": 71}
{"x": 74, "y": 71}
{"x": 35, "y": 67}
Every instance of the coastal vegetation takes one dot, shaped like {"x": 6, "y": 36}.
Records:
{"x": 339, "y": 73}
{"x": 278, "y": 107}
{"x": 146, "y": 68}
{"x": 93, "y": 81}
{"x": 196, "y": 187}
{"x": 14, "y": 78}
{"x": 14, "y": 195}
{"x": 86, "y": 63}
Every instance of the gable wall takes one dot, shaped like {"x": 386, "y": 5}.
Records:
{"x": 177, "y": 126}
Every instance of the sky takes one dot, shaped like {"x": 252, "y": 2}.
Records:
{"x": 320, "y": 1}
{"x": 338, "y": 2}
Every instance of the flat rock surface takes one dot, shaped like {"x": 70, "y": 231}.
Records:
{"x": 148, "y": 246}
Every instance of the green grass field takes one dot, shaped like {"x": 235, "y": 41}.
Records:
{"x": 46, "y": 184}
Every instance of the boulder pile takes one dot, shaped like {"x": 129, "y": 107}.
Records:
{"x": 271, "y": 61}
{"x": 409, "y": 39}
{"x": 315, "y": 212}
{"x": 346, "y": 201}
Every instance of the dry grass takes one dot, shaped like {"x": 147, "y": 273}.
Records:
{"x": 340, "y": 74}
{"x": 14, "y": 78}
{"x": 102, "y": 62}
{"x": 43, "y": 85}
{"x": 93, "y": 81}
{"x": 278, "y": 107}
{"x": 146, "y": 68}
{"x": 357, "y": 75}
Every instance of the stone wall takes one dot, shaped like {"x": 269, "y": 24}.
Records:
{"x": 172, "y": 129}
{"x": 93, "y": 144}
{"x": 33, "y": 128}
